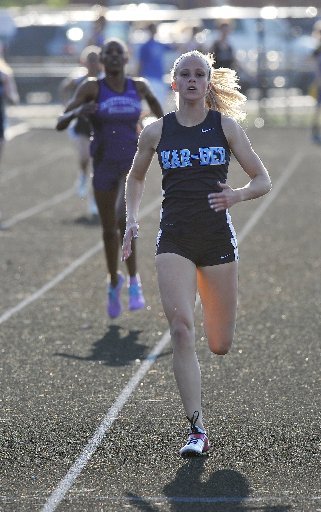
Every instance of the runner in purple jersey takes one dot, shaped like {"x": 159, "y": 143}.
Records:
{"x": 115, "y": 132}
{"x": 114, "y": 107}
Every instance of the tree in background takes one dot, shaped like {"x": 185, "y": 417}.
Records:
{"x": 25, "y": 3}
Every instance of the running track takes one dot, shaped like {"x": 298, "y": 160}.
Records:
{"x": 90, "y": 418}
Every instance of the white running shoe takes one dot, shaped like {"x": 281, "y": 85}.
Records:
{"x": 197, "y": 443}
{"x": 82, "y": 186}
{"x": 92, "y": 206}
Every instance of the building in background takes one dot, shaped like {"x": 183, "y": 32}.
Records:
{"x": 272, "y": 46}
{"x": 191, "y": 4}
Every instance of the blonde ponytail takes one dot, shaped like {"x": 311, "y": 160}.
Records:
{"x": 224, "y": 94}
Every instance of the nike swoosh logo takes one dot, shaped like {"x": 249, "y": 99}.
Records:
{"x": 207, "y": 130}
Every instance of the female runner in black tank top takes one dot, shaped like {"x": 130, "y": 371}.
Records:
{"x": 196, "y": 245}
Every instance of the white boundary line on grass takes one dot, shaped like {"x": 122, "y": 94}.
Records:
{"x": 67, "y": 482}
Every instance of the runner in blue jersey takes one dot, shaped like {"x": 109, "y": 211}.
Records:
{"x": 196, "y": 244}
{"x": 151, "y": 57}
{"x": 113, "y": 105}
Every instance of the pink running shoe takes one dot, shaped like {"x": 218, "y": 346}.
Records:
{"x": 197, "y": 443}
{"x": 136, "y": 297}
{"x": 114, "y": 305}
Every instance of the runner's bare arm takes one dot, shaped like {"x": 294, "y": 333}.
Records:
{"x": 135, "y": 184}
{"x": 146, "y": 93}
{"x": 82, "y": 102}
{"x": 252, "y": 165}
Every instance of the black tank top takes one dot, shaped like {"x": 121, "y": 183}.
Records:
{"x": 193, "y": 159}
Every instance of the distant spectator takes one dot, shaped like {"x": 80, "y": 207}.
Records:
{"x": 316, "y": 33}
{"x": 151, "y": 63}
{"x": 224, "y": 54}
{"x": 195, "y": 41}
{"x": 223, "y": 49}
{"x": 98, "y": 35}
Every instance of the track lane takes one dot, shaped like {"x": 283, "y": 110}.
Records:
{"x": 72, "y": 321}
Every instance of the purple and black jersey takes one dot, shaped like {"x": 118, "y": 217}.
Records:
{"x": 115, "y": 122}
{"x": 115, "y": 136}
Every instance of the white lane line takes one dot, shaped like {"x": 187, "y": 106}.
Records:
{"x": 48, "y": 286}
{"x": 269, "y": 501}
{"x": 32, "y": 167}
{"x": 67, "y": 482}
{"x": 296, "y": 160}
{"x": 71, "y": 268}
{"x": 263, "y": 500}
{"x": 265, "y": 203}
{"x": 38, "y": 208}
{"x": 18, "y": 129}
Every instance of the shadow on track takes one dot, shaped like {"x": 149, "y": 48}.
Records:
{"x": 225, "y": 490}
{"x": 83, "y": 220}
{"x": 118, "y": 347}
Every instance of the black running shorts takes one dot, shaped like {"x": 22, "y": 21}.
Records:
{"x": 203, "y": 252}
